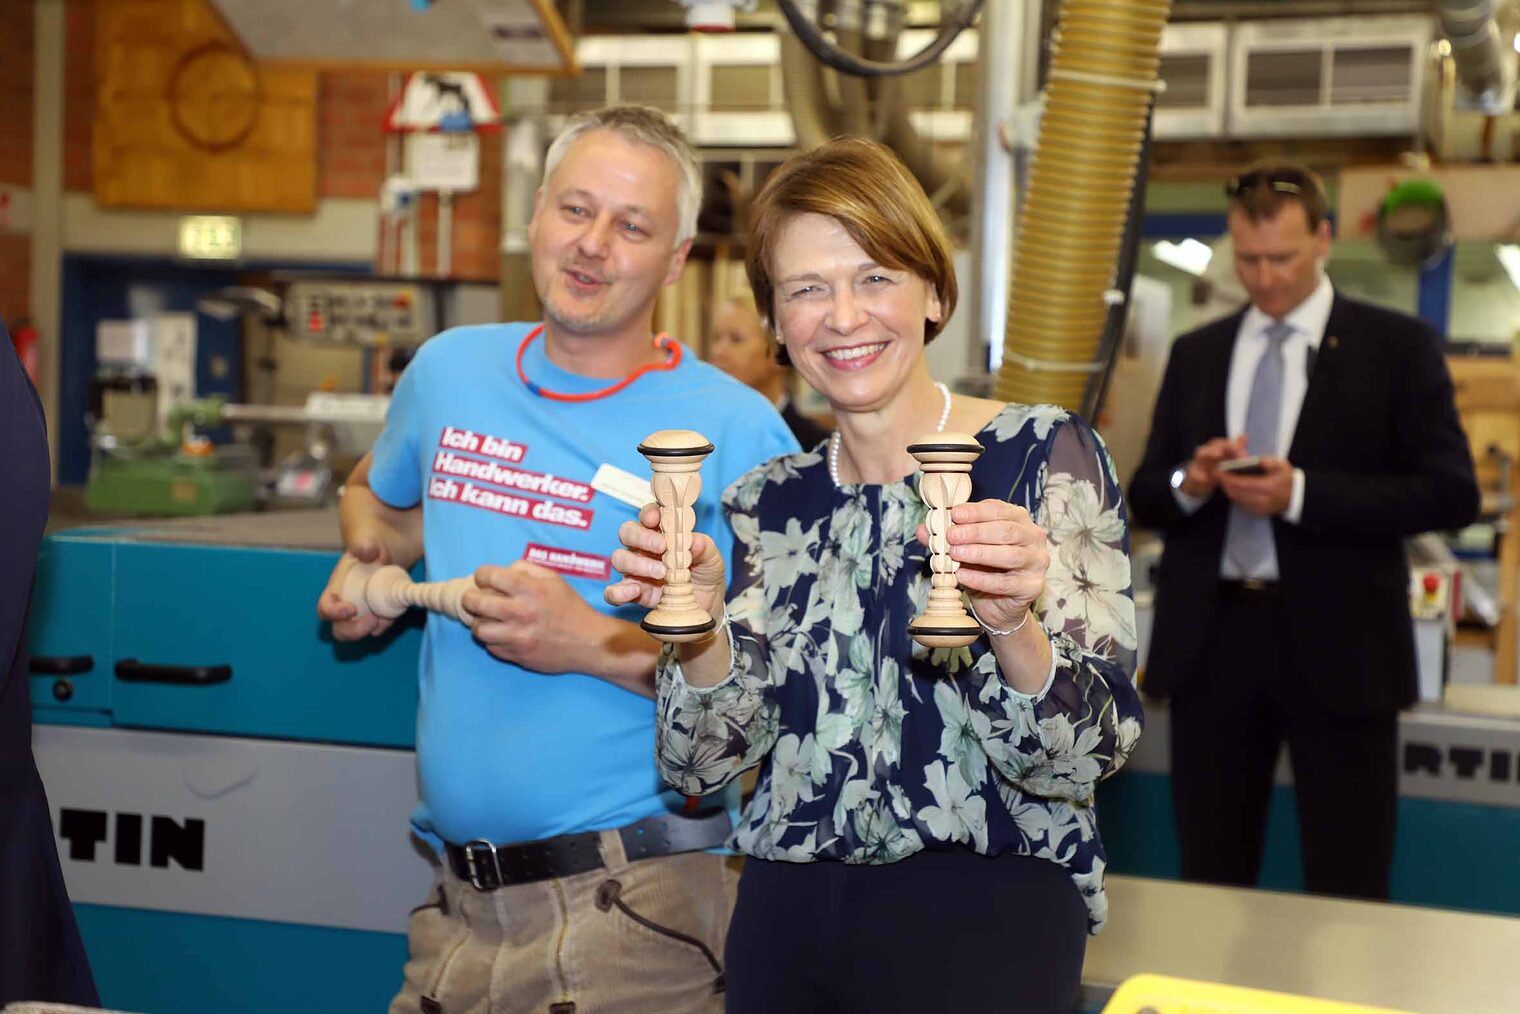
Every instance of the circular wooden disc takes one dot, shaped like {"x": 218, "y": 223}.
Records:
{"x": 214, "y": 97}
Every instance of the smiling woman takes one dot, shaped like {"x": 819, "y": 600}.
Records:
{"x": 909, "y": 801}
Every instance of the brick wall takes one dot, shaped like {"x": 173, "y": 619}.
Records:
{"x": 351, "y": 145}
{"x": 79, "y": 96}
{"x": 15, "y": 276}
{"x": 351, "y": 148}
{"x": 18, "y": 29}
{"x": 351, "y": 135}
{"x": 477, "y": 222}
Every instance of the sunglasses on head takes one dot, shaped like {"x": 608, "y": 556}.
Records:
{"x": 1283, "y": 181}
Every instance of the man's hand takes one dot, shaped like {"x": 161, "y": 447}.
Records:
{"x": 1265, "y": 495}
{"x": 347, "y": 624}
{"x": 530, "y": 616}
{"x": 1202, "y": 476}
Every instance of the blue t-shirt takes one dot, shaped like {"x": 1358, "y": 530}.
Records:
{"x": 504, "y": 753}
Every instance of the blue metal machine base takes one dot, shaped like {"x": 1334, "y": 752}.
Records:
{"x": 237, "y": 966}
{"x": 1447, "y": 854}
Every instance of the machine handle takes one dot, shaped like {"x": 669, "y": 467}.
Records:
{"x": 133, "y": 671}
{"x": 61, "y": 665}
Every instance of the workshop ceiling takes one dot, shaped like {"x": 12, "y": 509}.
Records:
{"x": 668, "y": 15}
{"x": 486, "y": 36}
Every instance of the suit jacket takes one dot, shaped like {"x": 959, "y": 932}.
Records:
{"x": 41, "y": 956}
{"x": 1384, "y": 457}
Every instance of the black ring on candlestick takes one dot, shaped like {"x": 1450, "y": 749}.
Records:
{"x": 674, "y": 452}
{"x": 943, "y": 448}
{"x": 914, "y": 628}
{"x": 691, "y": 628}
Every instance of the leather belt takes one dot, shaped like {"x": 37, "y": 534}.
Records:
{"x": 486, "y": 866}
{"x": 1250, "y": 589}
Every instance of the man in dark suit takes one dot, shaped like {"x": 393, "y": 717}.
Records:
{"x": 1282, "y": 603}
{"x": 41, "y": 957}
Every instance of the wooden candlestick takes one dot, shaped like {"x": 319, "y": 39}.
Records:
{"x": 676, "y": 457}
{"x": 946, "y": 462}
{"x": 388, "y": 591}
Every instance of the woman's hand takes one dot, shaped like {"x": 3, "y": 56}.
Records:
{"x": 644, "y": 573}
{"x": 1003, "y": 556}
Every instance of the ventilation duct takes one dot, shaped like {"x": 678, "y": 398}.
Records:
{"x": 1477, "y": 49}
{"x": 1102, "y": 78}
{"x": 871, "y": 99}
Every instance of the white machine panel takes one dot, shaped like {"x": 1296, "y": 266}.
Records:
{"x": 361, "y": 312}
{"x": 246, "y": 828}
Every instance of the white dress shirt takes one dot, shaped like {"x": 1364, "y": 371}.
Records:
{"x": 1307, "y": 320}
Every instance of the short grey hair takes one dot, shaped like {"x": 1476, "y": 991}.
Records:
{"x": 640, "y": 125}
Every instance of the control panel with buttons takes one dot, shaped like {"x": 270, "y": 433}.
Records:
{"x": 361, "y": 312}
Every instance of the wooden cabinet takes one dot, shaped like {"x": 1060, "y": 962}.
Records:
{"x": 1488, "y": 400}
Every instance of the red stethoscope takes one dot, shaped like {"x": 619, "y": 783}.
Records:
{"x": 662, "y": 341}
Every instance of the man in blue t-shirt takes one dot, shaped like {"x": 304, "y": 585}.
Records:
{"x": 570, "y": 879}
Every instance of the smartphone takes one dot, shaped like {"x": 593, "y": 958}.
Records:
{"x": 1249, "y": 465}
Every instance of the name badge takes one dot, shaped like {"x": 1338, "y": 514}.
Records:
{"x": 570, "y": 562}
{"x": 624, "y": 486}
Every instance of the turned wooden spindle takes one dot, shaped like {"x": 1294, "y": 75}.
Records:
{"x": 388, "y": 591}
{"x": 675, "y": 457}
{"x": 945, "y": 459}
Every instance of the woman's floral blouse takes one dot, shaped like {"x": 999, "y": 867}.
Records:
{"x": 871, "y": 747}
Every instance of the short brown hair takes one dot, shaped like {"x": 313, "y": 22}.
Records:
{"x": 1262, "y": 190}
{"x": 865, "y": 188}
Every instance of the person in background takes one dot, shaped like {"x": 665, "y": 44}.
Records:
{"x": 1282, "y": 597}
{"x": 741, "y": 346}
{"x": 569, "y": 880}
{"x": 922, "y": 836}
{"x": 41, "y": 955}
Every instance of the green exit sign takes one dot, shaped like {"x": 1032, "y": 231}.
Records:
{"x": 211, "y": 237}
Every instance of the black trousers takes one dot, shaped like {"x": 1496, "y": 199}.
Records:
{"x": 937, "y": 932}
{"x": 1228, "y": 723}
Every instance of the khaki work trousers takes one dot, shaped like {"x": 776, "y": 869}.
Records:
{"x": 633, "y": 938}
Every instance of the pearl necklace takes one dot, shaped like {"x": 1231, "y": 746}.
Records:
{"x": 944, "y": 418}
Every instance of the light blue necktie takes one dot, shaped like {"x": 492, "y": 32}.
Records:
{"x": 1248, "y": 539}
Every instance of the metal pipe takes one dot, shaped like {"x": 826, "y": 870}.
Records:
{"x": 854, "y": 95}
{"x": 943, "y": 178}
{"x": 523, "y": 159}
{"x": 802, "y": 84}
{"x": 1476, "y": 49}
{"x": 1226, "y": 10}
{"x": 443, "y": 259}
{"x": 1119, "y": 310}
{"x": 1000, "y": 66}
{"x": 284, "y": 415}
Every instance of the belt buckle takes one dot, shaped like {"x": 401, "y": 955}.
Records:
{"x": 477, "y": 870}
